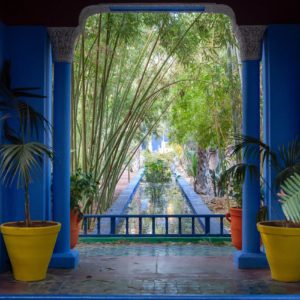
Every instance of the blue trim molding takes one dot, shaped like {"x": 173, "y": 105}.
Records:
{"x": 150, "y": 297}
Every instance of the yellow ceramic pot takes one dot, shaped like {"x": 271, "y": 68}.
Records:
{"x": 282, "y": 246}
{"x": 30, "y": 248}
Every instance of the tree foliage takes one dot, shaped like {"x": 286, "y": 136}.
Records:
{"x": 122, "y": 76}
{"x": 128, "y": 70}
{"x": 203, "y": 111}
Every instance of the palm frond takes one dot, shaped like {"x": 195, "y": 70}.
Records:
{"x": 10, "y": 134}
{"x": 238, "y": 172}
{"x": 7, "y": 99}
{"x": 286, "y": 173}
{"x": 22, "y": 92}
{"x": 289, "y": 158}
{"x": 192, "y": 166}
{"x": 5, "y": 74}
{"x": 290, "y": 198}
{"x": 20, "y": 162}
{"x": 254, "y": 148}
{"x": 10, "y": 100}
{"x": 31, "y": 120}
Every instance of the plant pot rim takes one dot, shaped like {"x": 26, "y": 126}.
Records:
{"x": 235, "y": 209}
{"x": 277, "y": 228}
{"x": 9, "y": 228}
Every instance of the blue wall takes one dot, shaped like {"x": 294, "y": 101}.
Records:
{"x": 281, "y": 76}
{"x": 2, "y": 248}
{"x": 2, "y": 29}
{"x": 28, "y": 49}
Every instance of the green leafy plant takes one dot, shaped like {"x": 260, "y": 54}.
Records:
{"x": 157, "y": 173}
{"x": 192, "y": 166}
{"x": 125, "y": 68}
{"x": 83, "y": 188}
{"x": 286, "y": 161}
{"x": 21, "y": 157}
{"x": 290, "y": 198}
{"x": 219, "y": 187}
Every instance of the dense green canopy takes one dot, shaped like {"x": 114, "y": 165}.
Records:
{"x": 129, "y": 69}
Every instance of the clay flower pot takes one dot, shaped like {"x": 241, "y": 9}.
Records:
{"x": 235, "y": 218}
{"x": 74, "y": 227}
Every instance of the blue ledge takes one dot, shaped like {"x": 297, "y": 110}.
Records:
{"x": 122, "y": 202}
{"x": 157, "y": 8}
{"x": 244, "y": 260}
{"x": 198, "y": 206}
{"x": 68, "y": 260}
{"x": 152, "y": 297}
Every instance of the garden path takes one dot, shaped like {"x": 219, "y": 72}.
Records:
{"x": 152, "y": 269}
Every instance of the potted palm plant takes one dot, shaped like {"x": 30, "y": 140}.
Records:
{"x": 282, "y": 238}
{"x": 29, "y": 243}
{"x": 285, "y": 161}
{"x": 232, "y": 179}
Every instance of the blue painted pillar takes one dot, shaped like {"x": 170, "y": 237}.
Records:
{"x": 281, "y": 65}
{"x": 63, "y": 256}
{"x": 61, "y": 148}
{"x": 250, "y": 39}
{"x": 251, "y": 127}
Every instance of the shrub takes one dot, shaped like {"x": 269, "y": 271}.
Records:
{"x": 157, "y": 173}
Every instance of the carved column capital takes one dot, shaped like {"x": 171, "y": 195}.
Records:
{"x": 250, "y": 38}
{"x": 63, "y": 42}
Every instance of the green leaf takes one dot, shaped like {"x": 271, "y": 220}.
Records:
{"x": 291, "y": 198}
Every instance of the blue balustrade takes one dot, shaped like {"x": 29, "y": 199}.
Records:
{"x": 117, "y": 221}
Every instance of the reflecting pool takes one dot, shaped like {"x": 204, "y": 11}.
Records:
{"x": 170, "y": 202}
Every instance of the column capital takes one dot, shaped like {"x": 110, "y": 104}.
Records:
{"x": 249, "y": 38}
{"x": 63, "y": 42}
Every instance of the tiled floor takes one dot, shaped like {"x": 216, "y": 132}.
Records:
{"x": 152, "y": 269}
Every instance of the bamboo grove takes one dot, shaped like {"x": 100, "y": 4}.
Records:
{"x": 124, "y": 73}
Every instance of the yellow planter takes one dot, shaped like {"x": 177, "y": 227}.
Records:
{"x": 30, "y": 249}
{"x": 282, "y": 246}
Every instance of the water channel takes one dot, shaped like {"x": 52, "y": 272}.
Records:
{"x": 170, "y": 202}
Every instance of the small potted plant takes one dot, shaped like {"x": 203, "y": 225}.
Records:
{"x": 282, "y": 238}
{"x": 29, "y": 243}
{"x": 83, "y": 188}
{"x": 234, "y": 217}
{"x": 285, "y": 161}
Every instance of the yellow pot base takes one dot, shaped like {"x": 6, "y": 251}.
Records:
{"x": 30, "y": 249}
{"x": 282, "y": 246}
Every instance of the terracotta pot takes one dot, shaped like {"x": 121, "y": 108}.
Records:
{"x": 74, "y": 228}
{"x": 235, "y": 218}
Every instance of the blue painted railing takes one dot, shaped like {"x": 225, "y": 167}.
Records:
{"x": 112, "y": 223}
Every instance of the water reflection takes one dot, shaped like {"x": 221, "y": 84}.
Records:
{"x": 171, "y": 201}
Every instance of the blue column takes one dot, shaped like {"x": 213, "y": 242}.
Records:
{"x": 250, "y": 256}
{"x": 63, "y": 257}
{"x": 251, "y": 127}
{"x": 281, "y": 65}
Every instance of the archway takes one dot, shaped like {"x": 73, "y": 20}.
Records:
{"x": 249, "y": 37}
